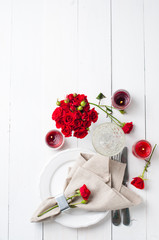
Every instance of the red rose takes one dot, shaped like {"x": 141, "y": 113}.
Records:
{"x": 86, "y": 108}
{"x": 68, "y": 118}
{"x": 85, "y": 116}
{"x": 82, "y": 97}
{"x": 72, "y": 108}
{"x": 93, "y": 115}
{"x": 85, "y": 192}
{"x": 80, "y": 133}
{"x": 77, "y": 124}
{"x": 127, "y": 127}
{"x": 76, "y": 101}
{"x": 59, "y": 123}
{"x": 70, "y": 97}
{"x": 138, "y": 182}
{"x": 67, "y": 131}
{"x": 65, "y": 106}
{"x": 57, "y": 113}
{"x": 77, "y": 115}
{"x": 86, "y": 124}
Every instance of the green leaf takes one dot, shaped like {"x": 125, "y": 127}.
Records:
{"x": 100, "y": 96}
{"x": 122, "y": 111}
{"x": 72, "y": 206}
{"x": 84, "y": 201}
{"x": 109, "y": 109}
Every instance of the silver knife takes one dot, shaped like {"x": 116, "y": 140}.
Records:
{"x": 124, "y": 159}
{"x": 125, "y": 211}
{"x": 115, "y": 214}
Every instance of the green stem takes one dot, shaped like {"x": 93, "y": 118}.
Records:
{"x": 148, "y": 162}
{"x": 76, "y": 195}
{"x": 74, "y": 204}
{"x": 108, "y": 106}
{"x": 109, "y": 115}
{"x": 48, "y": 210}
{"x": 112, "y": 117}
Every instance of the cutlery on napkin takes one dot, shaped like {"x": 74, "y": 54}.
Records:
{"x": 125, "y": 211}
{"x": 116, "y": 216}
{"x": 103, "y": 177}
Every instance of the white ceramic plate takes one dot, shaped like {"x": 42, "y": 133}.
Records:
{"x": 52, "y": 182}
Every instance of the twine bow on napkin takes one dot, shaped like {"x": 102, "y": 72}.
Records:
{"x": 104, "y": 179}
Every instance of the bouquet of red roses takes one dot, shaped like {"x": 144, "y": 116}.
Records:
{"x": 74, "y": 116}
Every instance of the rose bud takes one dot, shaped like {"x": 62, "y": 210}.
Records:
{"x": 58, "y": 103}
{"x": 84, "y": 201}
{"x": 75, "y": 94}
{"x": 67, "y": 100}
{"x": 83, "y": 103}
{"x": 80, "y": 108}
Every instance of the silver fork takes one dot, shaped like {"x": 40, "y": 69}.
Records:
{"x": 115, "y": 214}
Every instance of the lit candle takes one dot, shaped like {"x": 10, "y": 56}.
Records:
{"x": 142, "y": 149}
{"x": 121, "y": 99}
{"x": 54, "y": 139}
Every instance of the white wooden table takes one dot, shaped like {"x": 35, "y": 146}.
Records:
{"x": 49, "y": 48}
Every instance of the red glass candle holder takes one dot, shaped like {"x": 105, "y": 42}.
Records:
{"x": 142, "y": 149}
{"x": 54, "y": 139}
{"x": 121, "y": 99}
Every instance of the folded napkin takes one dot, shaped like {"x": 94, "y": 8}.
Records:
{"x": 103, "y": 177}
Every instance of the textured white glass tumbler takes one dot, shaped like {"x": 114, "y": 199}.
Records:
{"x": 108, "y": 139}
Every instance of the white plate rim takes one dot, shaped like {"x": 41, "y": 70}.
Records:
{"x": 100, "y": 215}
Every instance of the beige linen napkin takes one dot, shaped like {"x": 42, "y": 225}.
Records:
{"x": 103, "y": 177}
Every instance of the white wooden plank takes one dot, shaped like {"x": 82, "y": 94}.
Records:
{"x": 54, "y": 229}
{"x": 5, "y": 51}
{"x": 151, "y": 9}
{"x": 27, "y": 140}
{"x": 94, "y": 77}
{"x": 128, "y": 73}
{"x": 100, "y": 230}
{"x": 48, "y": 61}
{"x": 94, "y": 55}
{"x": 61, "y": 78}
